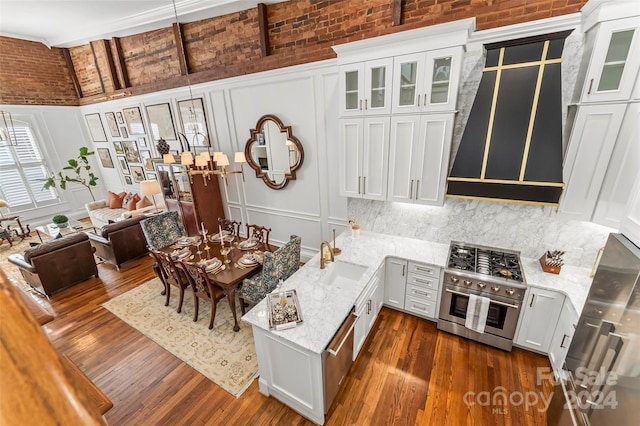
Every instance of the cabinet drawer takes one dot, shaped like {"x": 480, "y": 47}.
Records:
{"x": 420, "y": 307}
{"x": 425, "y": 270}
{"x": 420, "y": 293}
{"x": 427, "y": 282}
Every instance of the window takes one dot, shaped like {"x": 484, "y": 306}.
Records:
{"x": 23, "y": 170}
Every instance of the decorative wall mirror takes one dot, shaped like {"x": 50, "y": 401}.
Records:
{"x": 273, "y": 152}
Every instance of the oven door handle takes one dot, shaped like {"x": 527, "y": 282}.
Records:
{"x": 497, "y": 302}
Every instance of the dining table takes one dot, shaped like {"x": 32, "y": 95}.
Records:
{"x": 232, "y": 272}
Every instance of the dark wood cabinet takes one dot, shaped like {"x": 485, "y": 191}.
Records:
{"x": 196, "y": 198}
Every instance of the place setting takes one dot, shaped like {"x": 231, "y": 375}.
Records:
{"x": 180, "y": 254}
{"x": 248, "y": 244}
{"x": 224, "y": 235}
{"x": 212, "y": 265}
{"x": 248, "y": 260}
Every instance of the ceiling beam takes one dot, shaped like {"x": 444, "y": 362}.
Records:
{"x": 120, "y": 63}
{"x": 264, "y": 29}
{"x": 95, "y": 62}
{"x": 397, "y": 12}
{"x": 72, "y": 72}
{"x": 182, "y": 57}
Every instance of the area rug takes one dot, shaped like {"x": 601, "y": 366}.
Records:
{"x": 12, "y": 271}
{"x": 223, "y": 356}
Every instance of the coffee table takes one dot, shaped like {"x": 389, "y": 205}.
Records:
{"x": 52, "y": 230}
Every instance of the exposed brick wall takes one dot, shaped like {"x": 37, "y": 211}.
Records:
{"x": 32, "y": 74}
{"x": 299, "y": 31}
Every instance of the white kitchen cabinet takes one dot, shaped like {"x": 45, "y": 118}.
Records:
{"x": 614, "y": 63}
{"x": 395, "y": 282}
{"x": 422, "y": 290}
{"x": 594, "y": 135}
{"x": 426, "y": 81}
{"x": 367, "y": 309}
{"x": 539, "y": 319}
{"x": 622, "y": 172}
{"x": 277, "y": 359}
{"x": 364, "y": 144}
{"x": 365, "y": 88}
{"x": 562, "y": 336}
{"x": 419, "y": 158}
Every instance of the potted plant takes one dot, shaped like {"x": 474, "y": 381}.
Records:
{"x": 77, "y": 165}
{"x": 61, "y": 220}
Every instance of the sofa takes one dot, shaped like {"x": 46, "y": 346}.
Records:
{"x": 57, "y": 264}
{"x": 120, "y": 242}
{"x": 102, "y": 214}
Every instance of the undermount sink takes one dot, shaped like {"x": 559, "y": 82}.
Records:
{"x": 342, "y": 273}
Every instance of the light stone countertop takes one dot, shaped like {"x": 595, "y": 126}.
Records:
{"x": 324, "y": 307}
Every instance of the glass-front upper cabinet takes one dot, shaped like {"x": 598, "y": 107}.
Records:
{"x": 427, "y": 81}
{"x": 614, "y": 64}
{"x": 365, "y": 88}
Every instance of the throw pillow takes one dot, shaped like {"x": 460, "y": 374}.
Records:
{"x": 144, "y": 202}
{"x": 115, "y": 200}
{"x": 133, "y": 201}
{"x": 126, "y": 199}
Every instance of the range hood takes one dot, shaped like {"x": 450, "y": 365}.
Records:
{"x": 511, "y": 149}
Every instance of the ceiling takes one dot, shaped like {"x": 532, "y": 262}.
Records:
{"x": 69, "y": 23}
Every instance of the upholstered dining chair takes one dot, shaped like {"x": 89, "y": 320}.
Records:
{"x": 171, "y": 275}
{"x": 232, "y": 226}
{"x": 258, "y": 233}
{"x": 203, "y": 288}
{"x": 163, "y": 229}
{"x": 276, "y": 266}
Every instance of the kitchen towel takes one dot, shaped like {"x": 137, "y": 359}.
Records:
{"x": 477, "y": 310}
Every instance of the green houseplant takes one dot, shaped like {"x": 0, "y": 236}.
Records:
{"x": 61, "y": 220}
{"x": 82, "y": 173}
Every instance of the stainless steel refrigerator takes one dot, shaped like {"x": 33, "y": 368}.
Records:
{"x": 600, "y": 383}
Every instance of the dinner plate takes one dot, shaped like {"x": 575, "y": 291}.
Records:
{"x": 247, "y": 262}
{"x": 180, "y": 255}
{"x": 247, "y": 244}
{"x": 213, "y": 264}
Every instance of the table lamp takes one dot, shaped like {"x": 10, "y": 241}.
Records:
{"x": 150, "y": 187}
{"x": 3, "y": 203}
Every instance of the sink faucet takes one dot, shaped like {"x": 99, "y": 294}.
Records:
{"x": 322, "y": 244}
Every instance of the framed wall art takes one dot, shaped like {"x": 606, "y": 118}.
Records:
{"x": 134, "y": 121}
{"x": 105, "y": 158}
{"x": 124, "y": 132}
{"x": 194, "y": 122}
{"x": 145, "y": 155}
{"x": 161, "y": 122}
{"x": 94, "y": 122}
{"x": 112, "y": 124}
{"x": 142, "y": 142}
{"x": 118, "y": 147}
{"x": 123, "y": 164}
{"x": 119, "y": 117}
{"x": 152, "y": 176}
{"x": 127, "y": 180}
{"x": 131, "y": 151}
{"x": 137, "y": 173}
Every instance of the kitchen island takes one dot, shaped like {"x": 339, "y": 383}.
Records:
{"x": 290, "y": 360}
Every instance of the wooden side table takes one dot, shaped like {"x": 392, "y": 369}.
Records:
{"x": 20, "y": 232}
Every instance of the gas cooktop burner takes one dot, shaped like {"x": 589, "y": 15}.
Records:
{"x": 487, "y": 261}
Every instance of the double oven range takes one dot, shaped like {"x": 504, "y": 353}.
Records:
{"x": 487, "y": 272}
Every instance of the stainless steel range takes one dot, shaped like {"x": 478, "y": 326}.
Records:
{"x": 489, "y": 273}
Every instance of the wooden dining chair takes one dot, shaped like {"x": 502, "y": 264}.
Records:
{"x": 232, "y": 226}
{"x": 171, "y": 275}
{"x": 258, "y": 233}
{"x": 203, "y": 288}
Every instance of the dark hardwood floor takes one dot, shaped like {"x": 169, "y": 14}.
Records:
{"x": 407, "y": 373}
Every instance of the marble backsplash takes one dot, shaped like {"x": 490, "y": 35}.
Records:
{"x": 529, "y": 229}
